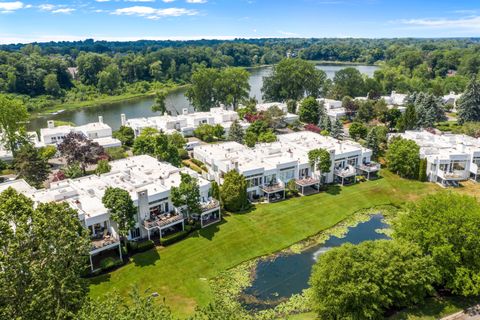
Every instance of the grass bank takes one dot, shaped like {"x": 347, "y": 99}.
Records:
{"x": 180, "y": 272}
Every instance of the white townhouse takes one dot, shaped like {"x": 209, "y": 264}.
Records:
{"x": 7, "y": 155}
{"x": 148, "y": 182}
{"x": 333, "y": 108}
{"x": 269, "y": 166}
{"x": 185, "y": 123}
{"x": 450, "y": 157}
{"x": 451, "y": 99}
{"x": 99, "y": 132}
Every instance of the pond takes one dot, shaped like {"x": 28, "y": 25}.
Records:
{"x": 278, "y": 279}
{"x": 175, "y": 101}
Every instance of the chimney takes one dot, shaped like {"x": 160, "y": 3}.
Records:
{"x": 100, "y": 119}
{"x": 50, "y": 124}
{"x": 184, "y": 111}
{"x": 123, "y": 119}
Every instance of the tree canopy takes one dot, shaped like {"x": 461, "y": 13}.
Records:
{"x": 30, "y": 165}
{"x": 121, "y": 208}
{"x": 469, "y": 104}
{"x": 234, "y": 192}
{"x": 403, "y": 157}
{"x": 187, "y": 194}
{"x": 157, "y": 144}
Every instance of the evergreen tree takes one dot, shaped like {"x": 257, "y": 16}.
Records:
{"x": 337, "y": 129}
{"x": 234, "y": 192}
{"x": 372, "y": 143}
{"x": 422, "y": 170}
{"x": 326, "y": 124}
{"x": 408, "y": 121}
{"x": 428, "y": 109}
{"x": 31, "y": 166}
{"x": 469, "y": 105}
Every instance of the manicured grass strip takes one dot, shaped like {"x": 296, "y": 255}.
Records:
{"x": 180, "y": 272}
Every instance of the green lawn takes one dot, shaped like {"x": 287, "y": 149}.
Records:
{"x": 180, "y": 272}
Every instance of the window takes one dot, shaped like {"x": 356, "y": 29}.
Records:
{"x": 443, "y": 167}
{"x": 476, "y": 160}
{"x": 352, "y": 161}
{"x": 458, "y": 165}
{"x": 135, "y": 233}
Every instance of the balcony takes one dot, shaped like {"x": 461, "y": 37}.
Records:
{"x": 453, "y": 175}
{"x": 102, "y": 241}
{"x": 273, "y": 187}
{"x": 307, "y": 181}
{"x": 370, "y": 167}
{"x": 349, "y": 171}
{"x": 162, "y": 220}
{"x": 212, "y": 204}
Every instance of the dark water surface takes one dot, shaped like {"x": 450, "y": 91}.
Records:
{"x": 278, "y": 279}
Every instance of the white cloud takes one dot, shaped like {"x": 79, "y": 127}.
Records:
{"x": 472, "y": 22}
{"x": 102, "y": 0}
{"x": 196, "y": 1}
{"x": 63, "y": 10}
{"x": 46, "y": 7}
{"x": 168, "y": 1}
{"x": 153, "y": 13}
{"x": 139, "y": 0}
{"x": 7, "y": 7}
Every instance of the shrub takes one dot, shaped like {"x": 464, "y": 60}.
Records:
{"x": 183, "y": 154}
{"x": 109, "y": 263}
{"x": 140, "y": 246}
{"x": 198, "y": 162}
{"x": 165, "y": 241}
{"x": 116, "y": 153}
{"x": 313, "y": 128}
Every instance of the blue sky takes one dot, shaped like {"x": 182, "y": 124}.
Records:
{"x": 43, "y": 20}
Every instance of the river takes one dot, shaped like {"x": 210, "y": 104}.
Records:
{"x": 175, "y": 101}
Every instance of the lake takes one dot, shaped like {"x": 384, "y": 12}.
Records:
{"x": 278, "y": 279}
{"x": 175, "y": 101}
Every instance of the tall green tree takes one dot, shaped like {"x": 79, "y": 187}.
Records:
{"x": 234, "y": 192}
{"x": 469, "y": 105}
{"x": 336, "y": 129}
{"x": 357, "y": 130}
{"x": 30, "y": 165}
{"x": 121, "y": 208}
{"x": 235, "y": 133}
{"x": 202, "y": 92}
{"x": 160, "y": 105}
{"x": 445, "y": 226}
{"x": 363, "y": 281}
{"x": 372, "y": 143}
{"x": 408, "y": 121}
{"x": 403, "y": 157}
{"x": 320, "y": 160}
{"x": 126, "y": 135}
{"x": 51, "y": 85}
{"x": 232, "y": 86}
{"x": 109, "y": 80}
{"x": 187, "y": 194}
{"x": 292, "y": 79}
{"x": 157, "y": 144}
{"x": 348, "y": 82}
{"x": 13, "y": 115}
{"x": 310, "y": 110}
{"x": 43, "y": 256}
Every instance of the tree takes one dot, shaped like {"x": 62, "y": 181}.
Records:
{"x": 76, "y": 148}
{"x": 408, "y": 121}
{"x": 74, "y": 170}
{"x": 232, "y": 86}
{"x": 89, "y": 66}
{"x": 274, "y": 117}
{"x": 234, "y": 192}
{"x": 250, "y": 139}
{"x": 372, "y": 143}
{"x": 43, "y": 256}
{"x": 326, "y": 124}
{"x": 121, "y": 208}
{"x": 365, "y": 112}
{"x": 47, "y": 152}
{"x": 391, "y": 118}
{"x": 236, "y": 132}
{"x": 268, "y": 136}
{"x": 126, "y": 135}
{"x": 109, "y": 80}
{"x": 31, "y": 166}
{"x": 187, "y": 194}
{"x": 292, "y": 106}
{"x": 103, "y": 167}
{"x": 13, "y": 115}
{"x": 209, "y": 133}
{"x": 445, "y": 226}
{"x": 157, "y": 144}
{"x": 291, "y": 79}
{"x": 50, "y": 83}
{"x": 348, "y": 82}
{"x": 350, "y": 105}
{"x": 422, "y": 170}
{"x": 469, "y": 105}
{"x": 201, "y": 93}
{"x": 160, "y": 105}
{"x": 428, "y": 109}
{"x": 365, "y": 280}
{"x": 336, "y": 129}
{"x": 357, "y": 131}
{"x": 403, "y": 157}
{"x": 310, "y": 110}
{"x": 320, "y": 160}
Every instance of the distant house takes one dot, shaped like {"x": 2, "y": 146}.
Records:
{"x": 289, "y": 118}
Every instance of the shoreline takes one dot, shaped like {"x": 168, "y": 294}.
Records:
{"x": 62, "y": 107}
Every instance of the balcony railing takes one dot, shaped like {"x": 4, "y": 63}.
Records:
{"x": 345, "y": 172}
{"x": 307, "y": 181}
{"x": 370, "y": 167}
{"x": 210, "y": 205}
{"x": 454, "y": 175}
{"x": 162, "y": 220}
{"x": 102, "y": 241}
{"x": 273, "y": 187}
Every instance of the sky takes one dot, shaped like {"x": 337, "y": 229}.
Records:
{"x": 123, "y": 20}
